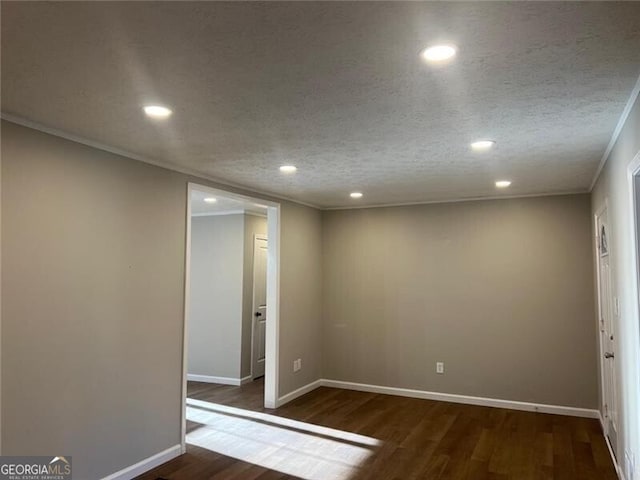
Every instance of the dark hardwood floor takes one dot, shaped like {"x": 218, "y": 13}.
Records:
{"x": 390, "y": 438}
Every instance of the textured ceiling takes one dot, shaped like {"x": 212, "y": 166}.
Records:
{"x": 336, "y": 88}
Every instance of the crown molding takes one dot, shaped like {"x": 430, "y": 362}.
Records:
{"x": 151, "y": 161}
{"x": 243, "y": 189}
{"x": 459, "y": 200}
{"x": 616, "y": 133}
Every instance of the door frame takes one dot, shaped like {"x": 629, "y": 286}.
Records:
{"x": 633, "y": 172}
{"x": 601, "y": 348}
{"x": 272, "y": 334}
{"x": 256, "y": 236}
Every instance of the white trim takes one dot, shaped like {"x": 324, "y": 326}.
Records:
{"x": 617, "y": 467}
{"x": 245, "y": 380}
{"x": 215, "y": 214}
{"x": 152, "y": 161}
{"x": 256, "y": 214}
{"x": 147, "y": 464}
{"x": 458, "y": 200}
{"x": 192, "y": 377}
{"x": 442, "y": 397}
{"x": 300, "y": 391}
{"x": 616, "y": 133}
{"x": 185, "y": 323}
{"x": 0, "y": 305}
{"x": 632, "y": 172}
{"x": 229, "y": 212}
{"x": 272, "y": 340}
{"x": 465, "y": 399}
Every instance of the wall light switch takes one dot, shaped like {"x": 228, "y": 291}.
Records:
{"x": 440, "y": 368}
{"x": 297, "y": 364}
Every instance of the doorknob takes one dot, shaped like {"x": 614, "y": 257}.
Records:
{"x": 258, "y": 314}
{"x": 608, "y": 355}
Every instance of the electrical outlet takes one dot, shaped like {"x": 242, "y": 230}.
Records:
{"x": 440, "y": 368}
{"x": 297, "y": 364}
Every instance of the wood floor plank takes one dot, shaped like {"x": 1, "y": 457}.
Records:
{"x": 333, "y": 434}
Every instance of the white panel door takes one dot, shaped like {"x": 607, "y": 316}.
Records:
{"x": 259, "y": 305}
{"x": 607, "y": 331}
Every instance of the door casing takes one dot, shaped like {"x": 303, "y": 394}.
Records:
{"x": 272, "y": 336}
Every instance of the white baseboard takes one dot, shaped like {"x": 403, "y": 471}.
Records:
{"x": 298, "y": 393}
{"x": 454, "y": 398}
{"x": 611, "y": 454}
{"x": 442, "y": 397}
{"x": 245, "y": 380}
{"x": 146, "y": 464}
{"x": 219, "y": 380}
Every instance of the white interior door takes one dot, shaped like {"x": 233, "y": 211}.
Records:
{"x": 259, "y": 305}
{"x": 607, "y": 331}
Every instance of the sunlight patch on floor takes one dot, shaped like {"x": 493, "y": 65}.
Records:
{"x": 307, "y": 451}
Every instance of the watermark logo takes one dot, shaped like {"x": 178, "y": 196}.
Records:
{"x": 35, "y": 468}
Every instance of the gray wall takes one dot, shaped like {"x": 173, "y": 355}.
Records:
{"x": 93, "y": 268}
{"x": 501, "y": 291}
{"x": 93, "y": 249}
{"x": 215, "y": 313}
{"x": 300, "y": 296}
{"x": 253, "y": 225}
{"x": 613, "y": 186}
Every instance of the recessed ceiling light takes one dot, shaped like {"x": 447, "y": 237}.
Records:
{"x": 439, "y": 53}
{"x": 355, "y": 194}
{"x": 288, "y": 168}
{"x": 157, "y": 111}
{"x": 210, "y": 200}
{"x": 503, "y": 183}
{"x": 482, "y": 145}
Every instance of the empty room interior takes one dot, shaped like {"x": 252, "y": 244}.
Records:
{"x": 320, "y": 240}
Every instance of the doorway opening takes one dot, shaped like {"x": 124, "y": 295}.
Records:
{"x": 634, "y": 208}
{"x": 634, "y": 189}
{"x": 606, "y": 327}
{"x": 258, "y": 280}
{"x": 230, "y": 338}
